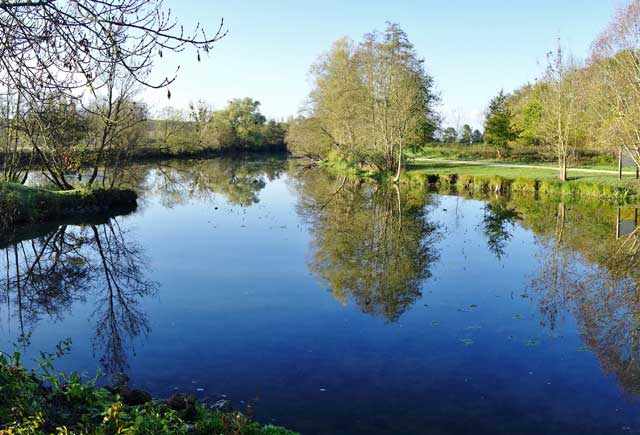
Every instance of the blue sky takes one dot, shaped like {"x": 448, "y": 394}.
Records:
{"x": 472, "y": 48}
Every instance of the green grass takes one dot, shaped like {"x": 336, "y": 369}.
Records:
{"x": 544, "y": 181}
{"x": 22, "y": 204}
{"x": 525, "y": 155}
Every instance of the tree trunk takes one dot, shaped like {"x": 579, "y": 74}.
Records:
{"x": 397, "y": 178}
{"x": 620, "y": 164}
{"x": 563, "y": 168}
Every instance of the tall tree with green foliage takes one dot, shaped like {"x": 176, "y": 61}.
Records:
{"x": 498, "y": 131}
{"x": 466, "y": 136}
{"x": 372, "y": 100}
{"x": 526, "y": 107}
{"x": 561, "y": 99}
{"x": 477, "y": 137}
{"x": 449, "y": 135}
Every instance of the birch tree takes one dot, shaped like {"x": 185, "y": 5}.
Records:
{"x": 561, "y": 108}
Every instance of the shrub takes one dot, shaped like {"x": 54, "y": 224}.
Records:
{"x": 448, "y": 179}
{"x": 42, "y": 401}
{"x": 550, "y": 187}
{"x": 480, "y": 183}
{"x": 465, "y": 182}
{"x": 524, "y": 185}
{"x": 498, "y": 184}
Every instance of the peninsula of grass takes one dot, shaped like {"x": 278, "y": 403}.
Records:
{"x": 44, "y": 401}
{"x": 513, "y": 179}
{"x": 29, "y": 205}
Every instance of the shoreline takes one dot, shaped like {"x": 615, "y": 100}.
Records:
{"x": 44, "y": 401}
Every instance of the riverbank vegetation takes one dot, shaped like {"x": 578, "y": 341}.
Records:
{"x": 499, "y": 179}
{"x": 550, "y": 186}
{"x": 371, "y": 101}
{"x": 45, "y": 401}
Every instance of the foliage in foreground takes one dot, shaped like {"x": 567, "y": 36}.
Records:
{"x": 43, "y": 401}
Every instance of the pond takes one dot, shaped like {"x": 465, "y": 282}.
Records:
{"x": 335, "y": 307}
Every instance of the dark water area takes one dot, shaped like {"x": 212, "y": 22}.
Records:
{"x": 335, "y": 307}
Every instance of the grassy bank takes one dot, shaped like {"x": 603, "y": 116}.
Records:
{"x": 542, "y": 181}
{"x": 27, "y": 205}
{"x": 43, "y": 401}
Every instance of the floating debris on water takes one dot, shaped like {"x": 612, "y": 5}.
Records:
{"x": 467, "y": 341}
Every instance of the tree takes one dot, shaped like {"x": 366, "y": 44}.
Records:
{"x": 57, "y": 52}
{"x": 373, "y": 100}
{"x": 338, "y": 96}
{"x": 477, "y": 137}
{"x": 201, "y": 115}
{"x": 561, "y": 105}
{"x": 450, "y": 135}
{"x": 240, "y": 126}
{"x": 12, "y": 142}
{"x": 615, "y": 56}
{"x": 115, "y": 116}
{"x": 245, "y": 121}
{"x": 306, "y": 138}
{"x": 52, "y": 127}
{"x": 497, "y": 129}
{"x": 526, "y": 107}
{"x": 466, "y": 137}
{"x": 68, "y": 46}
{"x": 171, "y": 128}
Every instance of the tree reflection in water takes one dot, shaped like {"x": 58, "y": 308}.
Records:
{"x": 498, "y": 221}
{"x": 238, "y": 181}
{"x": 590, "y": 273}
{"x": 45, "y": 275}
{"x": 372, "y": 243}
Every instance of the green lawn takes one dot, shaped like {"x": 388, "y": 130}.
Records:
{"x": 515, "y": 155}
{"x": 438, "y": 168}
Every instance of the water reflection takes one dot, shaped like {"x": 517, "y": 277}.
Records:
{"x": 490, "y": 293}
{"x": 43, "y": 277}
{"x": 372, "y": 243}
{"x": 498, "y": 223}
{"x": 589, "y": 270}
{"x": 178, "y": 181}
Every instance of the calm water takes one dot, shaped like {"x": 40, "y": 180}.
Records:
{"x": 336, "y": 308}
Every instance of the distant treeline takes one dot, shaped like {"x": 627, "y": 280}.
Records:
{"x": 62, "y": 135}
{"x": 239, "y": 126}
